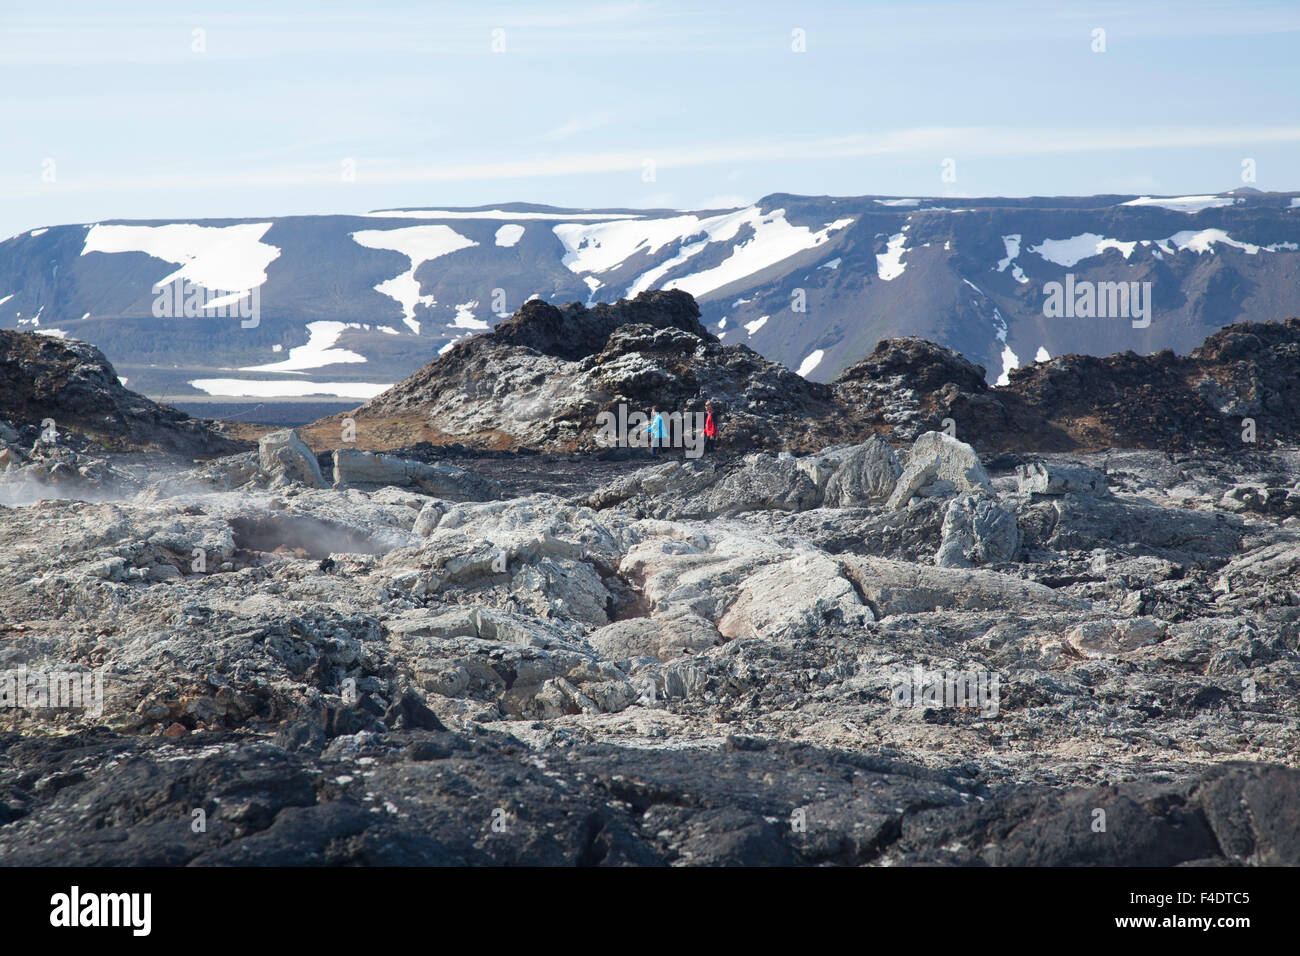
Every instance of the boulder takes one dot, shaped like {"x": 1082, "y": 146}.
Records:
{"x": 427, "y": 520}
{"x": 897, "y": 587}
{"x": 1110, "y": 638}
{"x": 662, "y": 638}
{"x": 763, "y": 482}
{"x": 942, "y": 462}
{"x": 355, "y": 467}
{"x": 286, "y": 459}
{"x": 803, "y": 592}
{"x": 977, "y": 530}
{"x": 1040, "y": 478}
{"x": 866, "y": 475}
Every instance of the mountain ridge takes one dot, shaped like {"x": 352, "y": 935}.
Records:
{"x": 350, "y": 304}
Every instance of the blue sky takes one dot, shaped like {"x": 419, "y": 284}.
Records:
{"x": 109, "y": 111}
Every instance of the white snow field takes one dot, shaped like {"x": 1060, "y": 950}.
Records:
{"x": 465, "y": 317}
{"x": 752, "y": 327}
{"x": 1187, "y": 204}
{"x": 811, "y": 362}
{"x": 509, "y": 234}
{"x": 287, "y": 388}
{"x": 318, "y": 351}
{"x": 419, "y": 244}
{"x": 606, "y": 246}
{"x": 889, "y": 264}
{"x": 1205, "y": 239}
{"x": 1010, "y": 361}
{"x": 1068, "y": 252}
{"x": 225, "y": 258}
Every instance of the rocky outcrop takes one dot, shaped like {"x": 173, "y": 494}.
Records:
{"x": 1235, "y": 390}
{"x": 545, "y": 376}
{"x": 286, "y": 459}
{"x": 544, "y": 379}
{"x": 575, "y": 332}
{"x": 63, "y": 385}
{"x": 937, "y": 466}
{"x": 977, "y": 530}
{"x": 860, "y": 475}
{"x": 1037, "y": 478}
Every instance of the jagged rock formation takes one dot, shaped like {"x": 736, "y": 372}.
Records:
{"x": 71, "y": 383}
{"x": 1238, "y": 387}
{"x": 543, "y": 379}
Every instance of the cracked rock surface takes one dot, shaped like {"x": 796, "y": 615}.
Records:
{"x": 679, "y": 662}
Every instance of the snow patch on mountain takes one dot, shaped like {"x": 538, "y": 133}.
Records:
{"x": 288, "y": 388}
{"x": 811, "y": 362}
{"x": 318, "y": 351}
{"x": 774, "y": 240}
{"x": 1187, "y": 204}
{"x": 419, "y": 244}
{"x": 1068, "y": 252}
{"x": 603, "y": 246}
{"x": 889, "y": 264}
{"x": 752, "y": 327}
{"x": 1010, "y": 362}
{"x": 226, "y": 258}
{"x": 896, "y": 203}
{"x": 1204, "y": 240}
{"x": 1012, "y": 245}
{"x": 1042, "y": 355}
{"x": 606, "y": 246}
{"x": 465, "y": 317}
{"x": 509, "y": 234}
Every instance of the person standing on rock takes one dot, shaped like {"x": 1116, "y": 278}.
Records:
{"x": 657, "y": 430}
{"x": 710, "y": 426}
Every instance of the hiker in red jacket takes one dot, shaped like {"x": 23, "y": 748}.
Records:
{"x": 710, "y": 426}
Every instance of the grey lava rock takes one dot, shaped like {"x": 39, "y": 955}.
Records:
{"x": 1038, "y": 478}
{"x": 286, "y": 459}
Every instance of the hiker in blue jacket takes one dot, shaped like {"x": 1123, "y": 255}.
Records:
{"x": 657, "y": 431}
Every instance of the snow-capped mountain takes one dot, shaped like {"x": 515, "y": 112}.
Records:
{"x": 343, "y": 306}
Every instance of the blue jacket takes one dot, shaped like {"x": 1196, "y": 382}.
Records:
{"x": 657, "y": 428}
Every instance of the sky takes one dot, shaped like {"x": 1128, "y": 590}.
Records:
{"x": 236, "y": 109}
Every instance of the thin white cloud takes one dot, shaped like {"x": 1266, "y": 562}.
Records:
{"x": 579, "y": 124}
{"x": 926, "y": 144}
